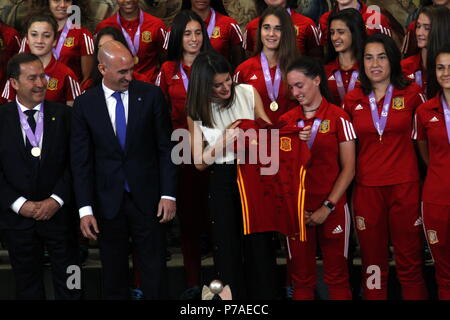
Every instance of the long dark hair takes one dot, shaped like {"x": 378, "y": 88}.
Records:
{"x": 217, "y": 5}
{"x": 175, "y": 47}
{"x": 199, "y": 96}
{"x": 394, "y": 56}
{"x": 117, "y": 35}
{"x": 312, "y": 68}
{"x": 353, "y": 20}
{"x": 439, "y": 35}
{"x": 433, "y": 84}
{"x": 287, "y": 50}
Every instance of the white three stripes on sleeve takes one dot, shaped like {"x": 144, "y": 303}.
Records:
{"x": 75, "y": 87}
{"x": 166, "y": 40}
{"x": 316, "y": 34}
{"x": 238, "y": 30}
{"x": 89, "y": 43}
{"x": 5, "y": 93}
{"x": 348, "y": 130}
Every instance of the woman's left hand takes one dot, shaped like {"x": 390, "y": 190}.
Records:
{"x": 317, "y": 217}
{"x": 305, "y": 134}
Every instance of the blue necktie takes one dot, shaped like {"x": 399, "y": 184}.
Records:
{"x": 121, "y": 125}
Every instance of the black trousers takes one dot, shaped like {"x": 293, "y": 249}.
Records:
{"x": 246, "y": 263}
{"x": 149, "y": 241}
{"x": 26, "y": 253}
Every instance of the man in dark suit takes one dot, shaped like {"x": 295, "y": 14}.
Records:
{"x": 124, "y": 177}
{"x": 35, "y": 183}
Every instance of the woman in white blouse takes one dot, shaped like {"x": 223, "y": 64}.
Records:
{"x": 215, "y": 104}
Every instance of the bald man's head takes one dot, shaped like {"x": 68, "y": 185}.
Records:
{"x": 116, "y": 65}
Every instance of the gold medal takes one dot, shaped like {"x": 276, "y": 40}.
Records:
{"x": 274, "y": 106}
{"x": 36, "y": 152}
{"x": 136, "y": 59}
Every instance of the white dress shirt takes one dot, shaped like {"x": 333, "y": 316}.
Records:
{"x": 111, "y": 105}
{"x": 17, "y": 205}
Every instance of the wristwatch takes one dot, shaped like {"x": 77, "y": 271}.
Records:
{"x": 330, "y": 205}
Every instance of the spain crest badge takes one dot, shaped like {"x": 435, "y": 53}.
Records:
{"x": 285, "y": 144}
{"x": 146, "y": 36}
{"x": 216, "y": 33}
{"x": 52, "y": 84}
{"x": 324, "y": 126}
{"x": 69, "y": 42}
{"x": 398, "y": 103}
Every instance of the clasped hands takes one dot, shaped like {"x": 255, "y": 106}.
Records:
{"x": 40, "y": 210}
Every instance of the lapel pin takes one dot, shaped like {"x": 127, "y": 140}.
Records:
{"x": 53, "y": 118}
{"x": 139, "y": 99}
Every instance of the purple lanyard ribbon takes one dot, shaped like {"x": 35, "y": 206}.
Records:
{"x": 212, "y": 23}
{"x": 380, "y": 122}
{"x": 314, "y": 130}
{"x": 133, "y": 45}
{"x": 446, "y": 115}
{"x": 33, "y": 137}
{"x": 289, "y": 11}
{"x": 184, "y": 77}
{"x": 418, "y": 77}
{"x": 62, "y": 39}
{"x": 340, "y": 83}
{"x": 272, "y": 89}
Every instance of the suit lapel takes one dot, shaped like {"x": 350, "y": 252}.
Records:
{"x": 16, "y": 132}
{"x": 102, "y": 115}
{"x": 134, "y": 110}
{"x": 50, "y": 123}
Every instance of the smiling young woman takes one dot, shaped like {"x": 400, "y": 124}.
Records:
{"x": 62, "y": 85}
{"x": 74, "y": 44}
{"x": 265, "y": 71}
{"x": 387, "y": 175}
{"x": 344, "y": 49}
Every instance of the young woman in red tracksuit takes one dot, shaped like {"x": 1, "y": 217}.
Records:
{"x": 368, "y": 15}
{"x": 62, "y": 83}
{"x": 307, "y": 34}
{"x": 386, "y": 195}
{"x": 75, "y": 46}
{"x": 330, "y": 172}
{"x": 264, "y": 71}
{"x": 145, "y": 35}
{"x": 414, "y": 67}
{"x": 433, "y": 137}
{"x": 188, "y": 38}
{"x": 223, "y": 31}
{"x": 344, "y": 46}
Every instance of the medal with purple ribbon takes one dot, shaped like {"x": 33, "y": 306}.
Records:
{"x": 184, "y": 77}
{"x": 340, "y": 83}
{"x": 33, "y": 137}
{"x": 418, "y": 77}
{"x": 212, "y": 23}
{"x": 314, "y": 129}
{"x": 133, "y": 45}
{"x": 272, "y": 88}
{"x": 62, "y": 38}
{"x": 446, "y": 115}
{"x": 380, "y": 121}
